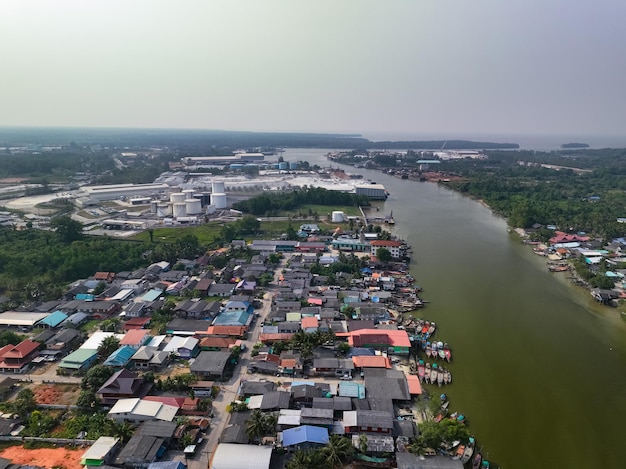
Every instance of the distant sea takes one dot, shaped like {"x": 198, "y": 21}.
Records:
{"x": 525, "y": 141}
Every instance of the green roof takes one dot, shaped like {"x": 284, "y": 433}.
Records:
{"x": 77, "y": 359}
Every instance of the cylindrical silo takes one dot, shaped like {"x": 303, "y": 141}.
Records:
{"x": 177, "y": 197}
{"x": 179, "y": 209}
{"x": 218, "y": 200}
{"x": 188, "y": 193}
{"x": 193, "y": 206}
{"x": 153, "y": 206}
{"x": 218, "y": 187}
{"x": 164, "y": 210}
{"x": 336, "y": 217}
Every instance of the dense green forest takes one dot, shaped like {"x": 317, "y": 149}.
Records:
{"x": 270, "y": 202}
{"x": 53, "y": 165}
{"x": 516, "y": 186}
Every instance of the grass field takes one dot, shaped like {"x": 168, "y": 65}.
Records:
{"x": 322, "y": 211}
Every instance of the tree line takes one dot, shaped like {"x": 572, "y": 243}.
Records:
{"x": 272, "y": 202}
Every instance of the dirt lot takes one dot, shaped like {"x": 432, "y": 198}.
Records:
{"x": 44, "y": 457}
{"x": 61, "y": 394}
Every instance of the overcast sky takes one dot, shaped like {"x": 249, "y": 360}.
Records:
{"x": 402, "y": 67}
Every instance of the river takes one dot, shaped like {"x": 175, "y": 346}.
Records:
{"x": 538, "y": 366}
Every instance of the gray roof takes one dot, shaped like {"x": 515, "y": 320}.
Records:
{"x": 234, "y": 434}
{"x": 376, "y": 443}
{"x": 381, "y": 403}
{"x": 252, "y": 388}
{"x": 188, "y": 325}
{"x": 139, "y": 449}
{"x": 316, "y": 416}
{"x": 305, "y": 391}
{"x": 158, "y": 428}
{"x": 383, "y": 383}
{"x": 404, "y": 428}
{"x": 275, "y": 400}
{"x": 210, "y": 362}
{"x": 374, "y": 418}
{"x": 335, "y": 403}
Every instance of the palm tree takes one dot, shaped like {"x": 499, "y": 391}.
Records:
{"x": 108, "y": 346}
{"x": 306, "y": 459}
{"x": 255, "y": 426}
{"x": 123, "y": 431}
{"x": 270, "y": 423}
{"x": 338, "y": 450}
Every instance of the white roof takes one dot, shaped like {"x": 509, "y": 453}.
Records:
{"x": 289, "y": 417}
{"x": 122, "y": 295}
{"x": 156, "y": 341}
{"x": 100, "y": 448}
{"x": 142, "y": 408}
{"x": 123, "y": 406}
{"x": 178, "y": 342}
{"x": 255, "y": 402}
{"x": 93, "y": 342}
{"x": 235, "y": 456}
{"x": 349, "y": 418}
{"x": 16, "y": 318}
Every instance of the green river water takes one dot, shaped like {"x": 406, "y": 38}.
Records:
{"x": 538, "y": 367}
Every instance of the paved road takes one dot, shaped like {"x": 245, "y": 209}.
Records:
{"x": 229, "y": 390}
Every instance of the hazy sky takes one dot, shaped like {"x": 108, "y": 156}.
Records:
{"x": 384, "y": 66}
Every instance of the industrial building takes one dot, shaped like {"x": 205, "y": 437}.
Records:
{"x": 371, "y": 190}
{"x": 117, "y": 191}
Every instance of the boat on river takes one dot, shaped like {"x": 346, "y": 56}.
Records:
{"x": 433, "y": 374}
{"x": 447, "y": 352}
{"x": 448, "y": 377}
{"x": 442, "y": 353}
{"x": 440, "y": 377}
{"x": 478, "y": 459}
{"x": 421, "y": 369}
{"x": 469, "y": 451}
{"x": 427, "y": 373}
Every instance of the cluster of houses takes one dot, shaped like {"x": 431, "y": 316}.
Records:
{"x": 563, "y": 246}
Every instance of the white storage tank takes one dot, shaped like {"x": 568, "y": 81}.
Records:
{"x": 177, "y": 197}
{"x": 218, "y": 200}
{"x": 337, "y": 216}
{"x": 164, "y": 210}
{"x": 179, "y": 210}
{"x": 193, "y": 206}
{"x": 188, "y": 193}
{"x": 218, "y": 187}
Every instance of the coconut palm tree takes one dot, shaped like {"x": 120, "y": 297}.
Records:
{"x": 306, "y": 459}
{"x": 337, "y": 451}
{"x": 255, "y": 426}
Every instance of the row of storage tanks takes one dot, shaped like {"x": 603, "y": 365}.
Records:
{"x": 189, "y": 203}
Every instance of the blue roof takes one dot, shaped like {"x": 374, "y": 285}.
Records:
{"x": 152, "y": 295}
{"x": 121, "y": 356}
{"x": 232, "y": 318}
{"x": 305, "y": 434}
{"x": 54, "y": 319}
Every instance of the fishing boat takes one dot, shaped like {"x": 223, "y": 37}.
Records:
{"x": 442, "y": 353}
{"x": 447, "y": 352}
{"x": 431, "y": 329}
{"x": 427, "y": 373}
{"x": 478, "y": 459}
{"x": 458, "y": 454}
{"x": 428, "y": 349}
{"x": 433, "y": 374}
{"x": 448, "y": 377}
{"x": 445, "y": 376}
{"x": 439, "y": 377}
{"x": 421, "y": 370}
{"x": 469, "y": 451}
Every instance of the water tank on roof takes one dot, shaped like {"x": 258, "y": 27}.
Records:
{"x": 218, "y": 201}
{"x": 193, "y": 206}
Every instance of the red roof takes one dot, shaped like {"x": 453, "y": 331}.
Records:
{"x": 19, "y": 351}
{"x": 135, "y": 323}
{"x": 393, "y": 338}
{"x": 235, "y": 331}
{"x": 173, "y": 401}
{"x": 217, "y": 342}
{"x": 277, "y": 336}
{"x": 385, "y": 242}
{"x": 371, "y": 361}
{"x": 135, "y": 337}
{"x": 415, "y": 388}
{"x": 309, "y": 321}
